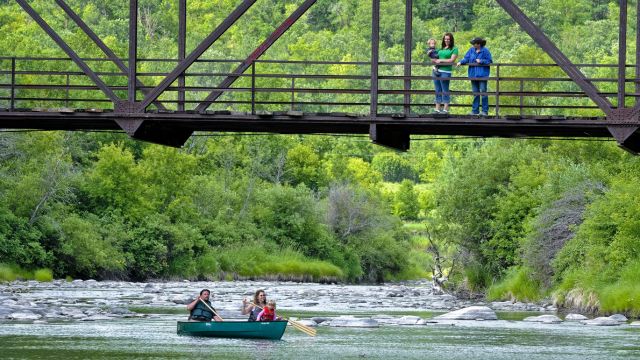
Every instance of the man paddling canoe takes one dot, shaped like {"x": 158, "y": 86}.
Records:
{"x": 201, "y": 309}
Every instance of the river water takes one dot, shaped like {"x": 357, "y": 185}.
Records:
{"x": 153, "y": 335}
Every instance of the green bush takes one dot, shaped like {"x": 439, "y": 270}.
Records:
{"x": 43, "y": 275}
{"x": 518, "y": 285}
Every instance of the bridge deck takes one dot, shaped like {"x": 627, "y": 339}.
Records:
{"x": 308, "y": 123}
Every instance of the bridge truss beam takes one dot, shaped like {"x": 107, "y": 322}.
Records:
{"x": 130, "y": 115}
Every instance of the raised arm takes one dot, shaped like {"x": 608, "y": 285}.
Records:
{"x": 246, "y": 307}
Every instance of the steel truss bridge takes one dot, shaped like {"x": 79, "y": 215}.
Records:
{"x": 389, "y": 101}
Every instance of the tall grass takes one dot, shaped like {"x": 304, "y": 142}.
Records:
{"x": 254, "y": 261}
{"x": 517, "y": 285}
{"x": 10, "y": 272}
{"x": 7, "y": 273}
{"x": 623, "y": 296}
{"x": 43, "y": 275}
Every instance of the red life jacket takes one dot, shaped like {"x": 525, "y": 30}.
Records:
{"x": 267, "y": 315}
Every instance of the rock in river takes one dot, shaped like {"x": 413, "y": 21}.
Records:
{"x": 601, "y": 321}
{"x": 470, "y": 313}
{"x": 545, "y": 319}
{"x": 24, "y": 316}
{"x": 350, "y": 321}
{"x": 575, "y": 317}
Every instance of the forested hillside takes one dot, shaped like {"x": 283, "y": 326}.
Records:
{"x": 517, "y": 219}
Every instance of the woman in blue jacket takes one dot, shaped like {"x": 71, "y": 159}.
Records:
{"x": 478, "y": 55}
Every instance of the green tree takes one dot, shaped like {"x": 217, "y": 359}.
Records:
{"x": 406, "y": 204}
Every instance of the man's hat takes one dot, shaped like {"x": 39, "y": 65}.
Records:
{"x": 478, "y": 40}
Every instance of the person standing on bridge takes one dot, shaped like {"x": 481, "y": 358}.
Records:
{"x": 476, "y": 57}
{"x": 446, "y": 58}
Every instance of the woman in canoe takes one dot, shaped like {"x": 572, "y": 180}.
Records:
{"x": 201, "y": 309}
{"x": 259, "y": 299}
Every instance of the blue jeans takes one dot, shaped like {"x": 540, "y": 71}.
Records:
{"x": 441, "y": 84}
{"x": 478, "y": 86}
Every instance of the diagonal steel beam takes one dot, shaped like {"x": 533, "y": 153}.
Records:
{"x": 255, "y": 55}
{"x": 105, "y": 49}
{"x": 65, "y": 47}
{"x": 552, "y": 50}
{"x": 195, "y": 54}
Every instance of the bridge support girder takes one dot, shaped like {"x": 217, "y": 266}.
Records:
{"x": 389, "y": 136}
{"x": 627, "y": 136}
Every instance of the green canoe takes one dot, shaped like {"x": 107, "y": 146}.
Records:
{"x": 234, "y": 329}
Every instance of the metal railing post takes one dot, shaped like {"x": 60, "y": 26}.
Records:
{"x": 498, "y": 90}
{"x": 521, "y": 98}
{"x": 293, "y": 93}
{"x": 12, "y": 104}
{"x": 66, "y": 99}
{"x": 253, "y": 88}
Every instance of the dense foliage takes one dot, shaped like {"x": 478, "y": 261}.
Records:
{"x": 523, "y": 219}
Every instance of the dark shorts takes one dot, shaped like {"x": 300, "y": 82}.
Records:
{"x": 200, "y": 318}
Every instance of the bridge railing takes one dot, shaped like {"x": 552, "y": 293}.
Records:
{"x": 43, "y": 84}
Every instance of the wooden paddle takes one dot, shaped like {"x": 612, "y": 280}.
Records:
{"x": 297, "y": 325}
{"x": 210, "y": 308}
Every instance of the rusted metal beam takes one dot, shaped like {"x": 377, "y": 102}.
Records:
{"x": 637, "y": 82}
{"x": 408, "y": 46}
{"x": 67, "y": 49}
{"x": 622, "y": 54}
{"x": 196, "y": 53}
{"x": 552, "y": 50}
{"x": 182, "y": 48}
{"x": 275, "y": 35}
{"x": 375, "y": 56}
{"x": 105, "y": 49}
{"x": 133, "y": 49}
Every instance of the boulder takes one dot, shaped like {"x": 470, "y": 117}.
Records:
{"x": 120, "y": 311}
{"x": 601, "y": 321}
{"x": 408, "y": 320}
{"x": 9, "y": 302}
{"x": 575, "y": 317}
{"x": 150, "y": 288}
{"x": 470, "y": 313}
{"x": 320, "y": 319}
{"x": 96, "y": 317}
{"x": 307, "y": 322}
{"x": 350, "y": 321}
{"x": 24, "y": 315}
{"x": 619, "y": 318}
{"x": 182, "y": 299}
{"x": 545, "y": 319}
{"x": 635, "y": 323}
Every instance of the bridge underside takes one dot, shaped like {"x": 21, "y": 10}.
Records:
{"x": 393, "y": 130}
